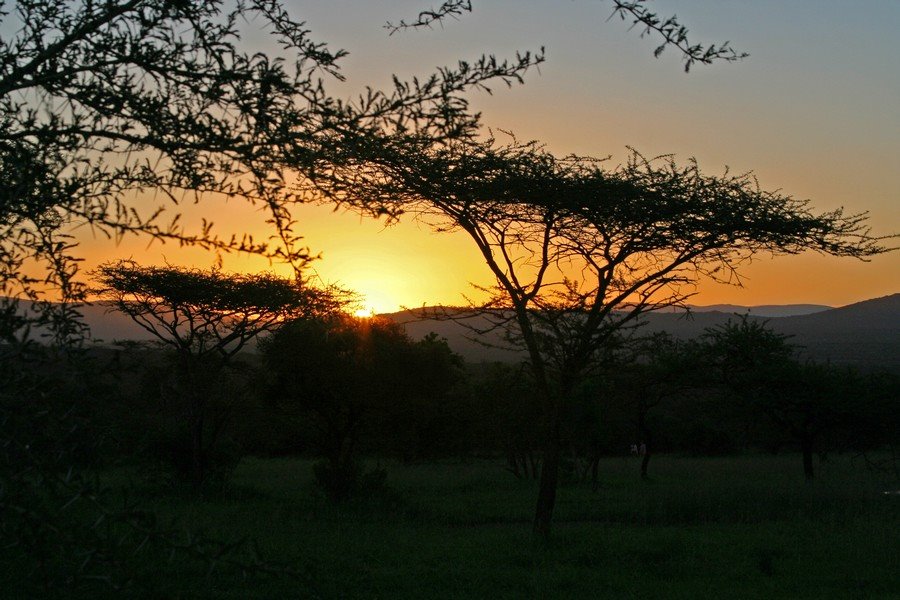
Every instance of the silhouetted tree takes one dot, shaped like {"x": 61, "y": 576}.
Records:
{"x": 579, "y": 252}
{"x": 804, "y": 400}
{"x": 115, "y": 113}
{"x": 345, "y": 375}
{"x": 206, "y": 317}
{"x": 663, "y": 368}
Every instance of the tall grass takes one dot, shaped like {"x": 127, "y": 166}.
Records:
{"x": 742, "y": 527}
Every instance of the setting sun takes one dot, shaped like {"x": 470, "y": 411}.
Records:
{"x": 409, "y": 265}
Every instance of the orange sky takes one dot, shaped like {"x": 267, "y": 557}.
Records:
{"x": 813, "y": 111}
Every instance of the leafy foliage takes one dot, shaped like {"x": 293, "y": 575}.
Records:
{"x": 673, "y": 33}
{"x": 670, "y": 29}
{"x": 208, "y": 312}
{"x": 114, "y": 114}
{"x": 346, "y": 378}
{"x": 579, "y": 252}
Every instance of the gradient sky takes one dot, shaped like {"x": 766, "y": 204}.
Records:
{"x": 814, "y": 111}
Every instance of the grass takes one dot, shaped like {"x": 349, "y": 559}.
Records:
{"x": 744, "y": 527}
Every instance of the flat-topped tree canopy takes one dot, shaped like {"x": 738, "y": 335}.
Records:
{"x": 577, "y": 251}
{"x": 208, "y": 312}
{"x": 624, "y": 234}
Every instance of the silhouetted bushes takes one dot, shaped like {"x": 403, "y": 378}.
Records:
{"x": 428, "y": 405}
{"x": 383, "y": 395}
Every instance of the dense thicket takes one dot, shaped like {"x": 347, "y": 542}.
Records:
{"x": 352, "y": 389}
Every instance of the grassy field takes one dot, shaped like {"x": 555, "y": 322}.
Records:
{"x": 741, "y": 527}
{"x": 745, "y": 527}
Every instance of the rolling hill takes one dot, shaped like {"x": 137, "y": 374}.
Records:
{"x": 865, "y": 335}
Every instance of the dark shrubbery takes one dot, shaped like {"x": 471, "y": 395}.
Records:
{"x": 359, "y": 383}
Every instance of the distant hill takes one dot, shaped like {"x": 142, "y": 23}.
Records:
{"x": 106, "y": 325}
{"x": 865, "y": 335}
{"x": 765, "y": 310}
{"x": 110, "y": 325}
{"x": 459, "y": 334}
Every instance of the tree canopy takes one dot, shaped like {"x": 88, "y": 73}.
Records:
{"x": 114, "y": 114}
{"x": 207, "y": 312}
{"x": 579, "y": 251}
{"x": 570, "y": 234}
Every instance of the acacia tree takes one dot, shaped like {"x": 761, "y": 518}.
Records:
{"x": 345, "y": 375}
{"x": 116, "y": 113}
{"x": 579, "y": 252}
{"x": 804, "y": 400}
{"x": 662, "y": 368}
{"x": 206, "y": 317}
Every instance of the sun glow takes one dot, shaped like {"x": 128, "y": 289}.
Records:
{"x": 800, "y": 146}
{"x": 364, "y": 313}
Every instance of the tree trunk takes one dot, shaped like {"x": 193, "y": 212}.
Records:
{"x": 806, "y": 445}
{"x": 549, "y": 478}
{"x": 535, "y": 462}
{"x": 197, "y": 473}
{"x": 543, "y": 513}
{"x": 645, "y": 440}
{"x": 190, "y": 376}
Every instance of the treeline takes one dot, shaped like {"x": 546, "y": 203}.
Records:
{"x": 342, "y": 388}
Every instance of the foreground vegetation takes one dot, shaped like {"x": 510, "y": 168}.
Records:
{"x": 97, "y": 497}
{"x": 701, "y": 527}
